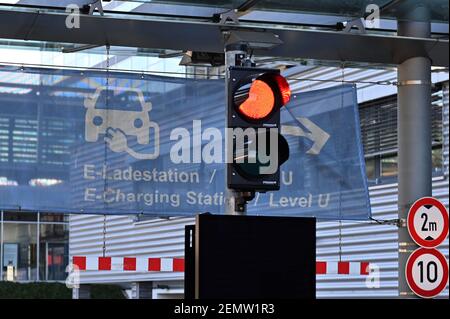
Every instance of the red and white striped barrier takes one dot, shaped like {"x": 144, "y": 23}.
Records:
{"x": 342, "y": 268}
{"x": 143, "y": 264}
{"x": 129, "y": 263}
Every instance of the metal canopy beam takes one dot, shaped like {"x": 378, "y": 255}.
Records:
{"x": 247, "y": 5}
{"x": 176, "y": 10}
{"x": 208, "y": 37}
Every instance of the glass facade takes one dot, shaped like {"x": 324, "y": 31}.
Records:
{"x": 34, "y": 246}
{"x": 378, "y": 120}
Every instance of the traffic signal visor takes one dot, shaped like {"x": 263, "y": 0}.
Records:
{"x": 284, "y": 89}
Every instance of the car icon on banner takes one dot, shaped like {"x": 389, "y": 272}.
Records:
{"x": 130, "y": 122}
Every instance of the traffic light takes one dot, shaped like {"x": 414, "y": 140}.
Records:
{"x": 255, "y": 97}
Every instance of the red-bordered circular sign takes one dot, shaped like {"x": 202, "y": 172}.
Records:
{"x": 428, "y": 222}
{"x": 427, "y": 272}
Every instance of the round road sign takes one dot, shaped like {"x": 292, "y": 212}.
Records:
{"x": 428, "y": 222}
{"x": 427, "y": 272}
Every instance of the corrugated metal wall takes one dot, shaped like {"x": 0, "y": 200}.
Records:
{"x": 445, "y": 115}
{"x": 359, "y": 240}
{"x": 367, "y": 241}
{"x": 124, "y": 237}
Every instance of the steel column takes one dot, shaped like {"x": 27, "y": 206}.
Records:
{"x": 414, "y": 135}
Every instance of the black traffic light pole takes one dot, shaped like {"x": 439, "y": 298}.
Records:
{"x": 236, "y": 201}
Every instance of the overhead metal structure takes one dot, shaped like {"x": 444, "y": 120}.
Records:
{"x": 153, "y": 28}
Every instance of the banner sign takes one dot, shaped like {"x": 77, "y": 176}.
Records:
{"x": 76, "y": 142}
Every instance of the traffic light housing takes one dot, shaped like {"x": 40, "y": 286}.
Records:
{"x": 255, "y": 97}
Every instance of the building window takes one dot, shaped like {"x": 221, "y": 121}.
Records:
{"x": 19, "y": 251}
{"x": 54, "y": 248}
{"x": 372, "y": 168}
{"x": 20, "y": 217}
{"x": 436, "y": 157}
{"x": 389, "y": 166}
{"x": 34, "y": 246}
{"x": 379, "y": 136}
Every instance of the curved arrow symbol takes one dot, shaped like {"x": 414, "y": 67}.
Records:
{"x": 315, "y": 134}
